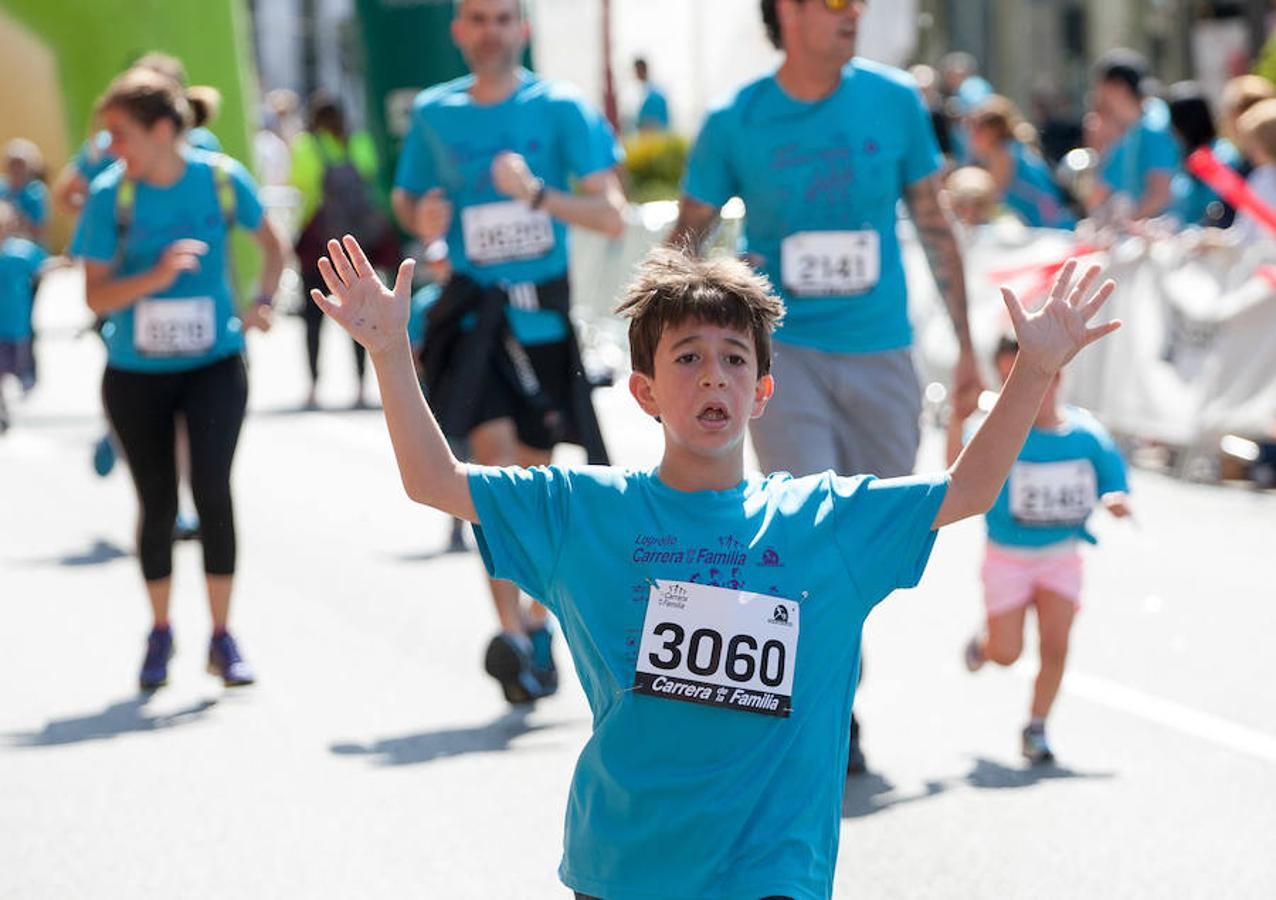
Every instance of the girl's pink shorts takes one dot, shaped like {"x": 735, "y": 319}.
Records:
{"x": 1011, "y": 574}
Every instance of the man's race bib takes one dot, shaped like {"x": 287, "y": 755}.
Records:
{"x": 831, "y": 263}
{"x": 1052, "y": 494}
{"x": 718, "y": 647}
{"x": 185, "y": 327}
{"x": 500, "y": 232}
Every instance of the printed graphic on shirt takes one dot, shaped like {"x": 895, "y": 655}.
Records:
{"x": 718, "y": 647}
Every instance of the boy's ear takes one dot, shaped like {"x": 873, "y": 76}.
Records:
{"x": 762, "y": 393}
{"x": 640, "y": 386}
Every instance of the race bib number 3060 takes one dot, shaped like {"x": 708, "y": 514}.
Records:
{"x": 718, "y": 647}
{"x": 501, "y": 232}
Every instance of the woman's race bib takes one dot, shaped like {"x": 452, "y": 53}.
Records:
{"x": 830, "y": 263}
{"x": 179, "y": 327}
{"x": 501, "y": 232}
{"x": 1052, "y": 494}
{"x": 718, "y": 647}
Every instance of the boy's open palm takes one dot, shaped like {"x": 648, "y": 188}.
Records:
{"x": 360, "y": 302}
{"x": 1051, "y": 336}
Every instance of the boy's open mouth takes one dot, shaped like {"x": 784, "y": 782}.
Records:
{"x": 713, "y": 412}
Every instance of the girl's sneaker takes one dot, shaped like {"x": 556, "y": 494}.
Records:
{"x": 224, "y": 661}
{"x": 1035, "y": 748}
{"x": 159, "y": 650}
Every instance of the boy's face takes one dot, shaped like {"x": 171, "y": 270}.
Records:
{"x": 704, "y": 387}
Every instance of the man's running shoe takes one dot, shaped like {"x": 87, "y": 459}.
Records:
{"x": 1035, "y": 748}
{"x": 104, "y": 455}
{"x": 225, "y": 662}
{"x": 159, "y": 650}
{"x": 543, "y": 668}
{"x": 974, "y": 656}
{"x": 509, "y": 661}
{"x": 186, "y": 527}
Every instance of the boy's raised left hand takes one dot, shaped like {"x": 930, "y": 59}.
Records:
{"x": 373, "y": 315}
{"x": 1051, "y": 336}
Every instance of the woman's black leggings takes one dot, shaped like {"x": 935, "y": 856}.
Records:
{"x": 143, "y": 407}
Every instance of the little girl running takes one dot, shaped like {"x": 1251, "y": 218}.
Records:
{"x": 1068, "y": 465}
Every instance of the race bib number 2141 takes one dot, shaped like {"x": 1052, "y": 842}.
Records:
{"x": 718, "y": 647}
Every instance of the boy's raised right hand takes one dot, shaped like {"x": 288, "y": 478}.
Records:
{"x": 360, "y": 302}
{"x": 1051, "y": 336}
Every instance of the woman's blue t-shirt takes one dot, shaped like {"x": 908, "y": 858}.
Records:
{"x": 188, "y": 209}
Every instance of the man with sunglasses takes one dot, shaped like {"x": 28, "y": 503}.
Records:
{"x": 821, "y": 151}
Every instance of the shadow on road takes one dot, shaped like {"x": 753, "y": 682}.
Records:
{"x": 871, "y": 793}
{"x": 428, "y": 746}
{"x": 101, "y": 551}
{"x": 125, "y": 717}
{"x": 993, "y": 775}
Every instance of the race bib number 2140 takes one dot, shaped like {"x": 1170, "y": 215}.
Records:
{"x": 718, "y": 647}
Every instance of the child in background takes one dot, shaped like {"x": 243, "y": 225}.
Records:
{"x": 1257, "y": 131}
{"x": 1068, "y": 465}
{"x": 20, "y": 262}
{"x": 972, "y": 197}
{"x": 22, "y": 187}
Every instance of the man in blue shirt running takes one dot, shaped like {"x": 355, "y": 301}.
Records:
{"x": 485, "y": 181}
{"x": 822, "y": 151}
{"x": 653, "y": 113}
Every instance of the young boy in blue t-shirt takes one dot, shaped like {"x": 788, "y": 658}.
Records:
{"x": 21, "y": 262}
{"x": 1067, "y": 467}
{"x": 713, "y": 615}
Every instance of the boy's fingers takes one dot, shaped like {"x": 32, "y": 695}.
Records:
{"x": 330, "y": 278}
{"x": 360, "y": 259}
{"x": 1098, "y": 331}
{"x": 340, "y": 262}
{"x": 1100, "y": 297}
{"x": 1013, "y": 306}
{"x": 1063, "y": 280}
{"x": 1083, "y": 286}
{"x": 403, "y": 281}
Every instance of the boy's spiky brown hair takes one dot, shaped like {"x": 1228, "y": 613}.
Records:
{"x": 672, "y": 287}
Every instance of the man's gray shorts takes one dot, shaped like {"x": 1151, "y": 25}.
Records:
{"x": 854, "y": 413}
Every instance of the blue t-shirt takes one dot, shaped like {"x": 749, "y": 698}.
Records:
{"x": 20, "y": 262}
{"x": 31, "y": 200}
{"x": 453, "y": 140}
{"x": 188, "y": 209}
{"x": 95, "y": 156}
{"x": 1033, "y": 194}
{"x": 654, "y": 111}
{"x": 836, "y": 165}
{"x": 1192, "y": 197}
{"x": 1145, "y": 148}
{"x": 676, "y": 800}
{"x": 1064, "y": 467}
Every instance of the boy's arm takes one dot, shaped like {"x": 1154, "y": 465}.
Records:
{"x": 1048, "y": 339}
{"x": 378, "y": 319}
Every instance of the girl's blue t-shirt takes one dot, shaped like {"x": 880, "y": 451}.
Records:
{"x": 20, "y": 262}
{"x": 188, "y": 209}
{"x": 827, "y": 174}
{"x": 674, "y": 799}
{"x": 1147, "y": 147}
{"x": 1059, "y": 473}
{"x": 1191, "y": 197}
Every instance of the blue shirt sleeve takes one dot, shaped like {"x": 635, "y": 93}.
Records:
{"x": 709, "y": 178}
{"x": 588, "y": 140}
{"x": 522, "y": 519}
{"x": 416, "y": 171}
{"x": 1109, "y": 466}
{"x": 95, "y": 235}
{"x": 1160, "y": 152}
{"x": 922, "y": 157}
{"x": 248, "y": 210}
{"x": 883, "y": 528}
